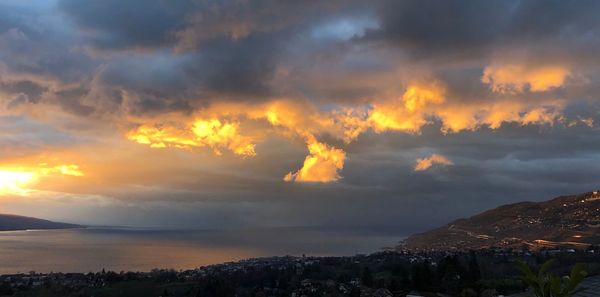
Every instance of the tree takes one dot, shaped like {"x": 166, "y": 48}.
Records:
{"x": 544, "y": 284}
{"x": 367, "y": 277}
{"x": 5, "y": 289}
{"x": 421, "y": 276}
{"x": 451, "y": 278}
{"x": 468, "y": 292}
{"x": 474, "y": 272}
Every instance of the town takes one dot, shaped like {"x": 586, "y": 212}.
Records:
{"x": 488, "y": 273}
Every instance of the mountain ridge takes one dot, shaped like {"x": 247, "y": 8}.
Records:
{"x": 12, "y": 222}
{"x": 565, "y": 221}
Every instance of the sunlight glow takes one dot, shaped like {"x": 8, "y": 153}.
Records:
{"x": 19, "y": 180}
{"x": 15, "y": 182}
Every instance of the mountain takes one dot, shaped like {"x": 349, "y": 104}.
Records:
{"x": 567, "y": 221}
{"x": 10, "y": 222}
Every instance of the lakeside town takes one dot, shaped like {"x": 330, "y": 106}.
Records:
{"x": 485, "y": 273}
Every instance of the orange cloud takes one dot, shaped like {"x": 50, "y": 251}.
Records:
{"x": 435, "y": 159}
{"x": 216, "y": 134}
{"x": 408, "y": 114}
{"x": 68, "y": 169}
{"x": 321, "y": 165}
{"x": 292, "y": 120}
{"x": 456, "y": 118}
{"x": 514, "y": 78}
{"x": 420, "y": 104}
{"x": 213, "y": 133}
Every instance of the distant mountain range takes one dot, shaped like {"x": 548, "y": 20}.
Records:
{"x": 10, "y": 222}
{"x": 567, "y": 221}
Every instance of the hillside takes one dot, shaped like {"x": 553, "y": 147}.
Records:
{"x": 10, "y": 222}
{"x": 572, "y": 221}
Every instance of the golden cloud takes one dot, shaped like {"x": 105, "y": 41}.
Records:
{"x": 213, "y": 133}
{"x": 515, "y": 78}
{"x": 472, "y": 116}
{"x": 410, "y": 113}
{"x": 421, "y": 103}
{"x": 435, "y": 159}
{"x": 321, "y": 165}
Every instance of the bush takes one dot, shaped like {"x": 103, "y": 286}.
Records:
{"x": 544, "y": 284}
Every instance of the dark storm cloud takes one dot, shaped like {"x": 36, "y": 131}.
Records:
{"x": 34, "y": 44}
{"x": 206, "y": 50}
{"x": 224, "y": 69}
{"x": 507, "y": 165}
{"x": 214, "y": 65}
{"x": 236, "y": 68}
{"x": 122, "y": 24}
{"x": 199, "y": 51}
{"x": 116, "y": 24}
{"x": 464, "y": 28}
{"x": 30, "y": 89}
{"x": 38, "y": 62}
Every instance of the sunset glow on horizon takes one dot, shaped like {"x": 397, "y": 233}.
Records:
{"x": 21, "y": 180}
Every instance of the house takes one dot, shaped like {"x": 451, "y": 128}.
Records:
{"x": 595, "y": 196}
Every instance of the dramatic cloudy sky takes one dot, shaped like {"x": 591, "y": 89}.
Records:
{"x": 395, "y": 114}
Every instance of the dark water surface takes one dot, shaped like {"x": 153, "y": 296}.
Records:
{"x": 133, "y": 249}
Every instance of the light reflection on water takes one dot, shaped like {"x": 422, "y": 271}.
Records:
{"x": 133, "y": 249}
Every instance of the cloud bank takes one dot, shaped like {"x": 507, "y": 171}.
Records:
{"x": 281, "y": 113}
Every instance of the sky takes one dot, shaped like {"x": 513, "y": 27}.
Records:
{"x": 222, "y": 114}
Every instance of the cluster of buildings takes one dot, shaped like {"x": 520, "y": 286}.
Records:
{"x": 78, "y": 281}
{"x": 297, "y": 267}
{"x": 25, "y": 281}
{"x": 277, "y": 263}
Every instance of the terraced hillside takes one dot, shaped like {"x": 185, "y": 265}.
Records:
{"x": 572, "y": 221}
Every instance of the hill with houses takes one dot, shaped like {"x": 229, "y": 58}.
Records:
{"x": 567, "y": 221}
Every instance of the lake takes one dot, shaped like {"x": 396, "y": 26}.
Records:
{"x": 136, "y": 249}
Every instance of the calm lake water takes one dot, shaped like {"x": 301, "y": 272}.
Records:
{"x": 132, "y": 249}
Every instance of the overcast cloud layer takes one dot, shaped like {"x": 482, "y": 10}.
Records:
{"x": 395, "y": 114}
